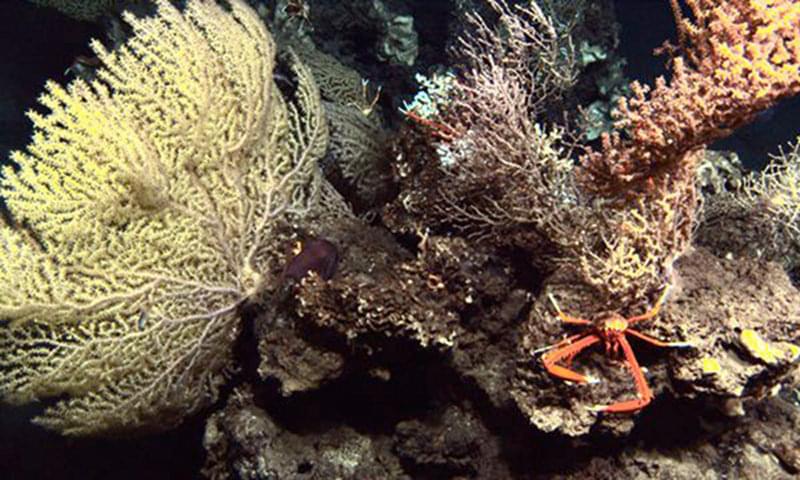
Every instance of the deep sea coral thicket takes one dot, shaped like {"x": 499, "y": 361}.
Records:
{"x": 503, "y": 177}
{"x": 734, "y": 59}
{"x": 623, "y": 217}
{"x": 145, "y": 207}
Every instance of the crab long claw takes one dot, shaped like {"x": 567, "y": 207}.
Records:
{"x": 627, "y": 406}
{"x": 571, "y": 375}
{"x": 644, "y": 394}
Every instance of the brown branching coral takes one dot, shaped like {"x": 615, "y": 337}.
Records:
{"x": 626, "y": 252}
{"x": 501, "y": 177}
{"x": 736, "y": 59}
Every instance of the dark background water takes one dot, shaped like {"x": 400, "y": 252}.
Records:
{"x": 38, "y": 44}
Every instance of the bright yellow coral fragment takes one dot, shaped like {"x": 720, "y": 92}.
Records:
{"x": 757, "y": 347}
{"x": 792, "y": 351}
{"x": 710, "y": 366}
{"x": 771, "y": 354}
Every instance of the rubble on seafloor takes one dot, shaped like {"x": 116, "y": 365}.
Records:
{"x": 247, "y": 440}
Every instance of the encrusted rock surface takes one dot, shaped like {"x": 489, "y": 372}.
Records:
{"x": 244, "y": 442}
{"x": 714, "y": 301}
{"x": 421, "y": 365}
{"x": 763, "y": 445}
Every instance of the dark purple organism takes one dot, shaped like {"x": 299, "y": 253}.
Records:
{"x": 317, "y": 255}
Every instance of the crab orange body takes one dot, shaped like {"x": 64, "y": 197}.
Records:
{"x": 610, "y": 329}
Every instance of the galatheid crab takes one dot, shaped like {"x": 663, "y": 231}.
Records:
{"x": 611, "y": 329}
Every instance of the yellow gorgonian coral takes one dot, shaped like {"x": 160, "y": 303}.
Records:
{"x": 146, "y": 202}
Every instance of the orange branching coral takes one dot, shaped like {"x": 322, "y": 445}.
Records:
{"x": 737, "y": 57}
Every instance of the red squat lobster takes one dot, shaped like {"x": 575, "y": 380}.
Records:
{"x": 610, "y": 329}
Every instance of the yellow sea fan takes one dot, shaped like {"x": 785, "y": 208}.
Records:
{"x": 148, "y": 200}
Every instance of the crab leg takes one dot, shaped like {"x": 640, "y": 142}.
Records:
{"x": 653, "y": 311}
{"x": 564, "y": 317}
{"x": 558, "y": 345}
{"x": 551, "y": 359}
{"x": 572, "y": 320}
{"x": 644, "y": 394}
{"x": 655, "y": 341}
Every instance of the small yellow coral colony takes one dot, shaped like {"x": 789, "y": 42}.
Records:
{"x": 770, "y": 353}
{"x": 146, "y": 205}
